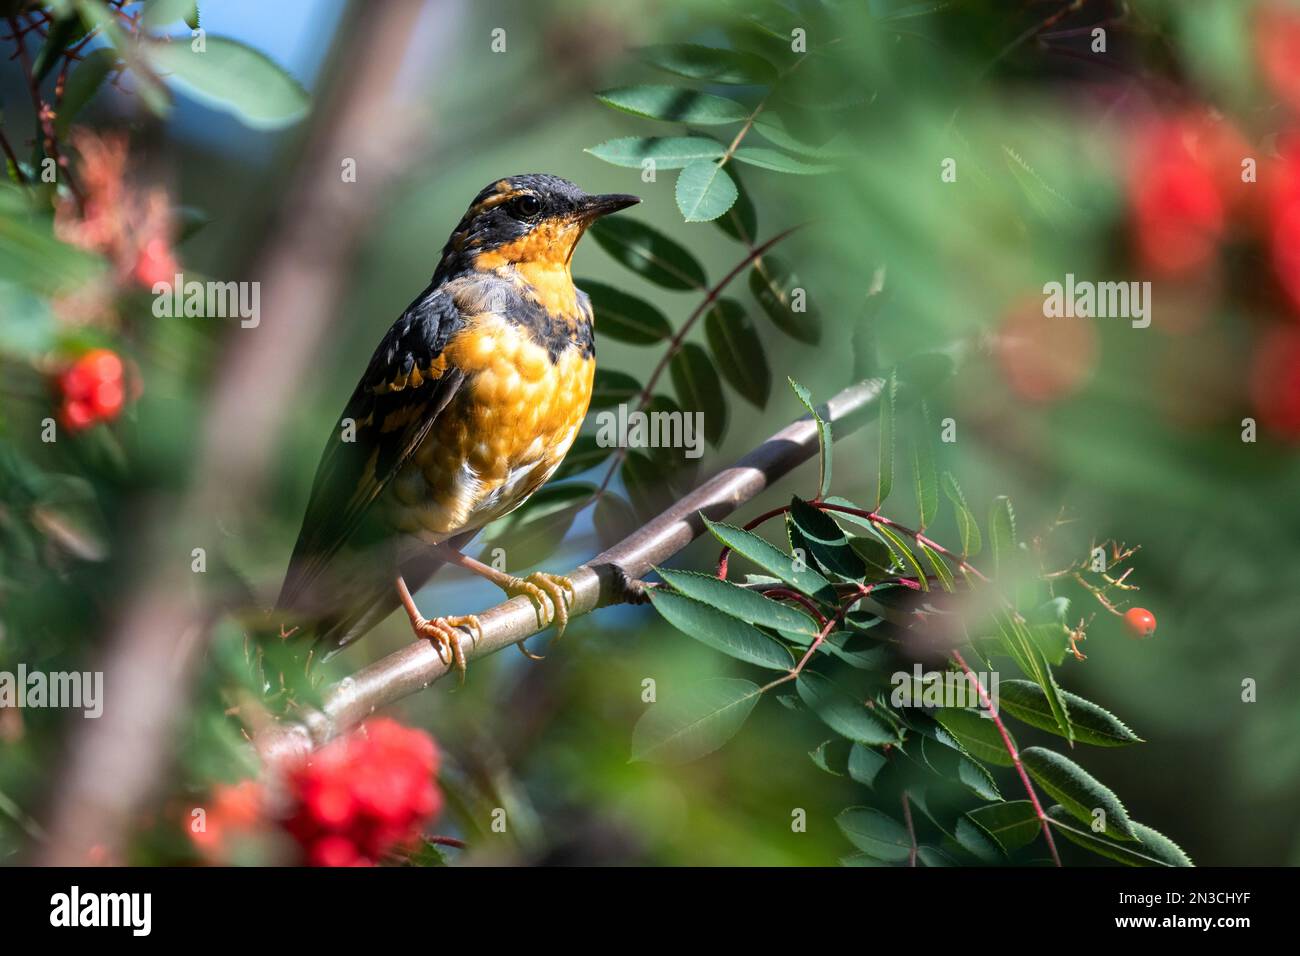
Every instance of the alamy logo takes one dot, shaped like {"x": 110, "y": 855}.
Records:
{"x": 210, "y": 300}
{"x": 1101, "y": 300}
{"x": 637, "y": 429}
{"x": 62, "y": 689}
{"x": 103, "y": 909}
{"x": 919, "y": 688}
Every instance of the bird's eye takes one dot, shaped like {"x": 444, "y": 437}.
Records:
{"x": 526, "y": 207}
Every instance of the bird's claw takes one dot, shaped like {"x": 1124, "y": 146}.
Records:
{"x": 552, "y": 595}
{"x": 443, "y": 633}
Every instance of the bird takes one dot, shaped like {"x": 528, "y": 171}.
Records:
{"x": 468, "y": 405}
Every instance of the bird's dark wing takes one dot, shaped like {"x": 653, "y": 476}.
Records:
{"x": 406, "y": 385}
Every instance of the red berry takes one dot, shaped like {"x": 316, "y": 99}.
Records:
{"x": 1140, "y": 622}
{"x": 93, "y": 389}
{"x": 1277, "y": 41}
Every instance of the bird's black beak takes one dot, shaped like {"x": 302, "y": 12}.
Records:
{"x": 593, "y": 207}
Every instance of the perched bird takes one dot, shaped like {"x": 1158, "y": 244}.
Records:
{"x": 467, "y": 407}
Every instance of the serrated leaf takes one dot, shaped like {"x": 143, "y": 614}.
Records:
{"x": 1022, "y": 646}
{"x": 738, "y": 351}
{"x": 832, "y": 755}
{"x": 826, "y": 541}
{"x": 977, "y": 735}
{"x": 841, "y": 711}
{"x": 742, "y": 603}
{"x": 967, "y": 526}
{"x": 777, "y": 290}
{"x": 675, "y": 104}
{"x": 885, "y": 458}
{"x": 231, "y": 76}
{"x": 714, "y": 64}
{"x": 825, "y": 440}
{"x": 775, "y": 562}
{"x": 161, "y": 13}
{"x": 953, "y": 764}
{"x": 625, "y": 317}
{"x": 1077, "y": 790}
{"x": 1026, "y": 701}
{"x": 1013, "y": 824}
{"x": 694, "y": 722}
{"x": 975, "y": 841}
{"x": 903, "y": 554}
{"x": 704, "y": 191}
{"x": 924, "y": 478}
{"x": 666, "y": 152}
{"x": 721, "y": 631}
{"x": 939, "y": 566}
{"x": 779, "y": 162}
{"x": 775, "y": 129}
{"x": 876, "y": 834}
{"x": 1155, "y": 849}
{"x": 611, "y": 387}
{"x": 649, "y": 253}
{"x": 698, "y": 389}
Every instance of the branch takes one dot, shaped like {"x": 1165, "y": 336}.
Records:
{"x": 600, "y": 582}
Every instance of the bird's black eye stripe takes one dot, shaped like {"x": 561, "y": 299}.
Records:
{"x": 526, "y": 206}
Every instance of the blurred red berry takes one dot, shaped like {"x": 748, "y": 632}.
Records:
{"x": 1277, "y": 44}
{"x": 92, "y": 389}
{"x": 1045, "y": 359}
{"x": 1184, "y": 172}
{"x": 1140, "y": 622}
{"x": 364, "y": 795}
{"x": 1275, "y": 381}
{"x": 155, "y": 263}
{"x": 233, "y": 811}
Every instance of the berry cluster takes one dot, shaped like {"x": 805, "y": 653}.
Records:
{"x": 92, "y": 389}
{"x": 362, "y": 796}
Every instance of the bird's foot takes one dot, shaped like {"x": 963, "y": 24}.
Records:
{"x": 444, "y": 634}
{"x": 552, "y": 596}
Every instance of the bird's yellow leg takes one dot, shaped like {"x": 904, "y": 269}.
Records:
{"x": 552, "y": 594}
{"x": 441, "y": 631}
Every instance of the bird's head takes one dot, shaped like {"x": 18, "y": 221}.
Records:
{"x": 532, "y": 222}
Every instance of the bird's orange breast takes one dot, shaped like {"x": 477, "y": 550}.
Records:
{"x": 500, "y": 437}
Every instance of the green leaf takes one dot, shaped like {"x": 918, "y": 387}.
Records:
{"x": 967, "y": 526}
{"x": 923, "y": 470}
{"x": 953, "y": 764}
{"x": 779, "y": 162}
{"x": 721, "y": 631}
{"x": 977, "y": 735}
{"x": 647, "y": 483}
{"x": 699, "y": 390}
{"x": 1002, "y": 535}
{"x": 740, "y": 222}
{"x": 785, "y": 301}
{"x": 704, "y": 191}
{"x": 666, "y": 152}
{"x": 738, "y": 351}
{"x": 773, "y": 561}
{"x": 774, "y": 128}
{"x": 938, "y": 565}
{"x": 832, "y": 755}
{"x": 825, "y": 441}
{"x": 1012, "y": 825}
{"x": 162, "y": 13}
{"x": 1022, "y": 646}
{"x": 83, "y": 83}
{"x": 1156, "y": 849}
{"x": 885, "y": 460}
{"x": 975, "y": 841}
{"x": 613, "y": 388}
{"x": 710, "y": 63}
{"x": 1077, "y": 790}
{"x": 585, "y": 453}
{"x": 1026, "y": 701}
{"x": 876, "y": 834}
{"x": 625, "y": 317}
{"x": 903, "y": 554}
{"x": 865, "y": 764}
{"x": 614, "y": 519}
{"x": 742, "y": 603}
{"x": 841, "y": 711}
{"x": 827, "y": 542}
{"x": 694, "y": 722}
{"x": 675, "y": 104}
{"x": 230, "y": 76}
{"x": 649, "y": 253}
{"x": 96, "y": 15}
